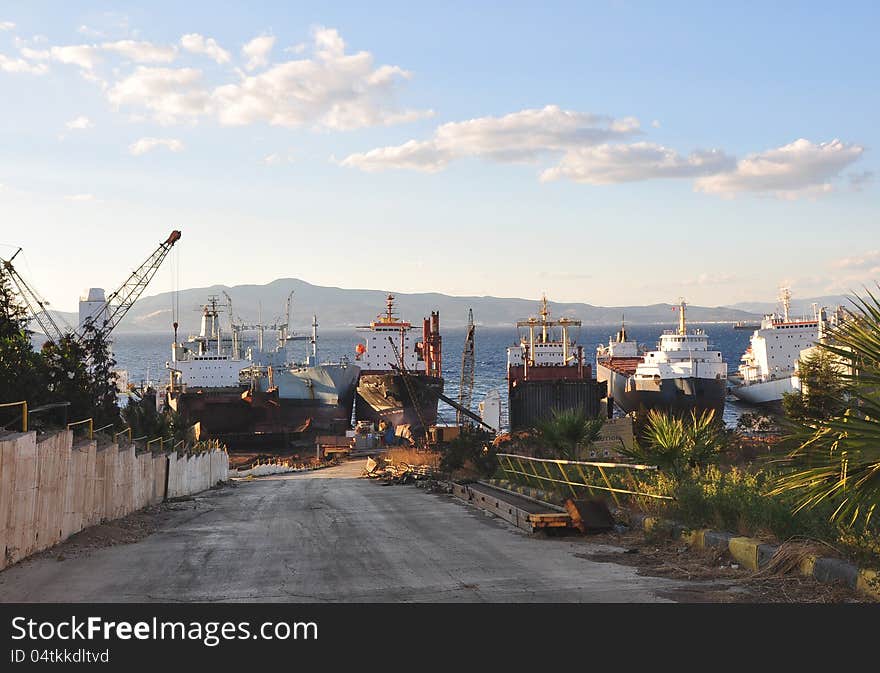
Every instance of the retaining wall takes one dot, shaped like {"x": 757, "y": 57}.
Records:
{"x": 54, "y": 488}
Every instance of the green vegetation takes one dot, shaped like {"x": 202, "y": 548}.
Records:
{"x": 836, "y": 462}
{"x": 823, "y": 393}
{"x": 566, "y": 434}
{"x": 679, "y": 445}
{"x": 471, "y": 452}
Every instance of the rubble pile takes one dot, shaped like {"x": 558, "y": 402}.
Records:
{"x": 399, "y": 473}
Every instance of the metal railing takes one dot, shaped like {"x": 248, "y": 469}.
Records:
{"x": 24, "y": 412}
{"x": 573, "y": 474}
{"x": 123, "y": 432}
{"x": 91, "y": 423}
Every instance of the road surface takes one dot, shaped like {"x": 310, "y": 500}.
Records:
{"x": 331, "y": 537}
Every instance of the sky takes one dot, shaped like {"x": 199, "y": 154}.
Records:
{"x": 614, "y": 153}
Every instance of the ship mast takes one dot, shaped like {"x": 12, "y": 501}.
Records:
{"x": 682, "y": 322}
{"x": 785, "y": 298}
{"x": 314, "y": 341}
{"x": 545, "y": 313}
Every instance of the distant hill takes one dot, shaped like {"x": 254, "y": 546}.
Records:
{"x": 799, "y": 307}
{"x": 338, "y": 307}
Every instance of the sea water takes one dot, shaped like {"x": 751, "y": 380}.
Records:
{"x": 144, "y": 355}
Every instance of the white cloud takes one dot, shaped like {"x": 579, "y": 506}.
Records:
{"x": 801, "y": 168}
{"x": 866, "y": 260}
{"x": 257, "y": 51}
{"x": 80, "y": 197}
{"x": 199, "y": 44}
{"x": 522, "y": 136}
{"x": 145, "y": 145}
{"x": 35, "y": 54}
{"x": 89, "y": 32}
{"x": 141, "y": 52}
{"x": 610, "y": 164}
{"x": 7, "y": 25}
{"x": 655, "y": 124}
{"x": 79, "y": 123}
{"x": 413, "y": 155}
{"x": 332, "y": 90}
{"x": 276, "y": 159}
{"x": 85, "y": 56}
{"x": 19, "y": 65}
{"x": 711, "y": 279}
{"x": 171, "y": 94}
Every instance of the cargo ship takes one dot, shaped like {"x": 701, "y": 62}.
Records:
{"x": 246, "y": 402}
{"x": 400, "y": 377}
{"x": 681, "y": 375}
{"x": 546, "y": 372}
{"x": 768, "y": 368}
{"x": 321, "y": 394}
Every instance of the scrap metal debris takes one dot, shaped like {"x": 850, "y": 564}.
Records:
{"x": 399, "y": 473}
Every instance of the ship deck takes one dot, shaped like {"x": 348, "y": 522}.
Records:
{"x": 625, "y": 366}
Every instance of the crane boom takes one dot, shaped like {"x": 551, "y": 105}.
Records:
{"x": 466, "y": 385}
{"x": 120, "y": 301}
{"x": 36, "y": 305}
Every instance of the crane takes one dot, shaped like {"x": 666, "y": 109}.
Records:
{"x": 115, "y": 307}
{"x": 466, "y": 385}
{"x": 120, "y": 301}
{"x": 36, "y": 305}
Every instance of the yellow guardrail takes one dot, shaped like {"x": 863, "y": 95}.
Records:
{"x": 91, "y": 423}
{"x": 571, "y": 473}
{"x": 24, "y": 412}
{"x": 122, "y": 432}
{"x": 161, "y": 441}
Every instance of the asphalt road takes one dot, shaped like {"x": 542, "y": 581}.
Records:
{"x": 329, "y": 536}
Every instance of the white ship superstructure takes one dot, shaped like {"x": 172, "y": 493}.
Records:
{"x": 684, "y": 371}
{"x": 768, "y": 366}
{"x": 203, "y": 361}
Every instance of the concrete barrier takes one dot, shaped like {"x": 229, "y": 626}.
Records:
{"x": 52, "y": 489}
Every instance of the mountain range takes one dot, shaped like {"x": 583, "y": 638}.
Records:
{"x": 343, "y": 308}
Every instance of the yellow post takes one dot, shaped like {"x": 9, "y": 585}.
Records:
{"x": 24, "y": 412}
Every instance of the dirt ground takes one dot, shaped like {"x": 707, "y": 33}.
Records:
{"x": 721, "y": 579}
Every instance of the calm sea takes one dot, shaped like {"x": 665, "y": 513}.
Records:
{"x": 144, "y": 355}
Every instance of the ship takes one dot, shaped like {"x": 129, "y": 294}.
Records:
{"x": 320, "y": 393}
{"x": 768, "y": 366}
{"x": 400, "y": 377}
{"x": 745, "y": 324}
{"x": 681, "y": 375}
{"x": 546, "y": 372}
{"x": 257, "y": 398}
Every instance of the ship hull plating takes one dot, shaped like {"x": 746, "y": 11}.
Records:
{"x": 532, "y": 402}
{"x": 766, "y": 392}
{"x": 675, "y": 395}
{"x": 386, "y": 397}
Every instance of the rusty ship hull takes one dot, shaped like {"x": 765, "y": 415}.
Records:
{"x": 386, "y": 397}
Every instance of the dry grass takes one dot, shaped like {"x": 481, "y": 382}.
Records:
{"x": 413, "y": 457}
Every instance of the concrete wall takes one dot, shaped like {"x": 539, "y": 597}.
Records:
{"x": 54, "y": 488}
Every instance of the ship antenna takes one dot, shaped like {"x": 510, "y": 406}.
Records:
{"x": 682, "y": 324}
{"x": 390, "y": 302}
{"x": 785, "y": 298}
{"x": 545, "y": 313}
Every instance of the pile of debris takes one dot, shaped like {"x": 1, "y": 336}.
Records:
{"x": 399, "y": 473}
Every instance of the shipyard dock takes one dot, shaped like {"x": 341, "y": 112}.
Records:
{"x": 327, "y": 536}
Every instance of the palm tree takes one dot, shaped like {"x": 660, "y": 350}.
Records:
{"x": 677, "y": 444}
{"x": 837, "y": 460}
{"x": 568, "y": 430}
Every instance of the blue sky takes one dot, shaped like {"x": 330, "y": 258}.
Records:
{"x": 609, "y": 152}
